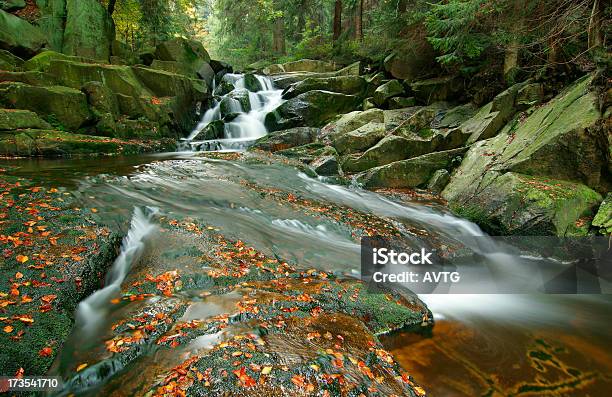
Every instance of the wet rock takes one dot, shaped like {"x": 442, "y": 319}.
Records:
{"x": 352, "y": 85}
{"x": 66, "y": 105}
{"x": 189, "y": 53}
{"x": 20, "y": 37}
{"x": 326, "y": 165}
{"x": 359, "y": 139}
{"x": 16, "y": 119}
{"x": 312, "y": 109}
{"x": 438, "y": 181}
{"x": 206, "y": 73}
{"x": 411, "y": 173}
{"x": 438, "y": 89}
{"x": 285, "y": 139}
{"x": 89, "y": 30}
{"x": 603, "y": 219}
{"x": 401, "y": 103}
{"x": 242, "y": 96}
{"x": 214, "y": 130}
{"x": 387, "y": 91}
{"x": 251, "y": 83}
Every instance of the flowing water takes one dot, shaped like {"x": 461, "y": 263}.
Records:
{"x": 481, "y": 344}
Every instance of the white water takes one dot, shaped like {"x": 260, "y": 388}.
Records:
{"x": 247, "y": 126}
{"x": 92, "y": 310}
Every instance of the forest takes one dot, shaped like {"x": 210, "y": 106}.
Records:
{"x": 194, "y": 195}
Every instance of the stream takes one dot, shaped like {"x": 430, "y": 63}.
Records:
{"x": 494, "y": 345}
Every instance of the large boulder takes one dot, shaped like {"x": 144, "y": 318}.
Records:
{"x": 190, "y": 54}
{"x": 65, "y": 105}
{"x": 311, "y": 109}
{"x": 19, "y": 36}
{"x": 31, "y": 78}
{"x": 603, "y": 219}
{"x": 89, "y": 30}
{"x": 42, "y": 61}
{"x": 101, "y": 98}
{"x": 52, "y": 21}
{"x": 412, "y": 62}
{"x": 389, "y": 149}
{"x": 172, "y": 67}
{"x": 558, "y": 140}
{"x": 165, "y": 84}
{"x": 281, "y": 140}
{"x": 411, "y": 173}
{"x": 351, "y": 121}
{"x": 360, "y": 139}
{"x": 17, "y": 119}
{"x": 352, "y": 85}
{"x": 284, "y": 80}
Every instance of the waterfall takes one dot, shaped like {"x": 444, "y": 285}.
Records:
{"x": 240, "y": 113}
{"x": 93, "y": 309}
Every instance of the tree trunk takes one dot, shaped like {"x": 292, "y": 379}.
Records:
{"x": 511, "y": 57}
{"x": 111, "y": 6}
{"x": 337, "y": 20}
{"x": 279, "y": 36}
{"x": 359, "y": 21}
{"x": 595, "y": 34}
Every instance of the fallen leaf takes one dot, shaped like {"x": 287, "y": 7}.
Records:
{"x": 81, "y": 367}
{"x": 22, "y": 258}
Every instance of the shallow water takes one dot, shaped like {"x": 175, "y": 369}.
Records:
{"x": 481, "y": 345}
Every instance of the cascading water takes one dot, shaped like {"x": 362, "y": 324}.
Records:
{"x": 239, "y": 114}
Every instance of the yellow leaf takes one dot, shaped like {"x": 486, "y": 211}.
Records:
{"x": 22, "y": 258}
{"x": 81, "y": 367}
{"x": 8, "y": 329}
{"x": 266, "y": 370}
{"x": 18, "y": 275}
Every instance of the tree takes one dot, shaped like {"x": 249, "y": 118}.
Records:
{"x": 337, "y": 20}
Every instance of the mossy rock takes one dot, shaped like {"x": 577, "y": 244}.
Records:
{"x": 351, "y": 121}
{"x": 66, "y": 105}
{"x": 189, "y": 53}
{"x": 17, "y": 119}
{"x": 285, "y": 139}
{"x": 42, "y": 61}
{"x": 411, "y": 173}
{"x": 101, "y": 98}
{"x": 387, "y": 91}
{"x": 445, "y": 88}
{"x": 19, "y": 36}
{"x": 31, "y": 78}
{"x": 172, "y": 67}
{"x": 603, "y": 219}
{"x": 360, "y": 139}
{"x": 89, "y": 30}
{"x": 10, "y": 62}
{"x": 352, "y": 85}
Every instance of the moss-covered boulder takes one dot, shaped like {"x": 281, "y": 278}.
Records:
{"x": 66, "y": 106}
{"x": 302, "y": 65}
{"x": 12, "y": 5}
{"x": 165, "y": 84}
{"x": 603, "y": 219}
{"x": 16, "y": 119}
{"x": 285, "y": 139}
{"x": 518, "y": 204}
{"x": 411, "y": 173}
{"x": 352, "y": 85}
{"x": 101, "y": 98}
{"x": 387, "y": 91}
{"x": 190, "y": 54}
{"x": 89, "y": 30}
{"x": 558, "y": 140}
{"x": 438, "y": 181}
{"x": 42, "y": 61}
{"x": 412, "y": 62}
{"x": 484, "y": 124}
{"x": 10, "y": 62}
{"x": 172, "y": 67}
{"x": 120, "y": 79}
{"x": 401, "y": 102}
{"x": 351, "y": 121}
{"x": 19, "y": 36}
{"x": 31, "y": 78}
{"x": 389, "y": 149}
{"x": 360, "y": 139}
{"x": 311, "y": 109}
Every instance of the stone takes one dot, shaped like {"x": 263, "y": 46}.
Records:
{"x": 242, "y": 96}
{"x": 351, "y": 85}
{"x": 52, "y": 22}
{"x": 10, "y": 62}
{"x": 89, "y": 30}
{"x": 518, "y": 204}
{"x": 326, "y": 165}
{"x": 120, "y": 50}
{"x": 390, "y": 149}
{"x": 31, "y": 78}
{"x": 229, "y": 106}
{"x": 454, "y": 117}
{"x": 166, "y": 84}
{"x": 12, "y": 5}
{"x": 252, "y": 83}
{"x": 558, "y": 140}
{"x": 214, "y": 130}
{"x": 101, "y": 98}
{"x": 302, "y": 65}
{"x": 285, "y": 139}
{"x": 220, "y": 66}
{"x": 603, "y": 219}
{"x": 387, "y": 91}
{"x": 172, "y": 67}
{"x": 19, "y": 36}
{"x": 206, "y": 73}
{"x": 401, "y": 103}
{"x": 529, "y": 95}
{"x": 412, "y": 62}
{"x": 42, "y": 61}
{"x": 311, "y": 109}
{"x": 484, "y": 125}
{"x": 360, "y": 139}
{"x": 410, "y": 173}
{"x": 189, "y": 53}
{"x": 66, "y": 105}
{"x": 438, "y": 181}
{"x": 368, "y": 104}
{"x": 351, "y": 121}
{"x": 16, "y": 119}
{"x": 445, "y": 88}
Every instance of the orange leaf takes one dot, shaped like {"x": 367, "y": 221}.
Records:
{"x": 45, "y": 352}
{"x": 8, "y": 329}
{"x": 81, "y": 367}
{"x": 22, "y": 258}
{"x": 19, "y": 275}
